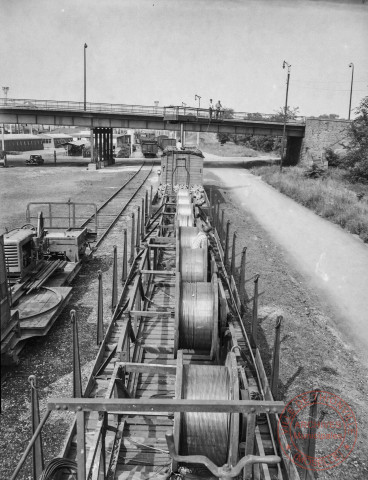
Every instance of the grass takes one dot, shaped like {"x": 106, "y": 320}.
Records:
{"x": 332, "y": 197}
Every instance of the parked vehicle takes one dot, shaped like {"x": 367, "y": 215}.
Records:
{"x": 35, "y": 160}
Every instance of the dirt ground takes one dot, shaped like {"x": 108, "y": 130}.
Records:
{"x": 312, "y": 355}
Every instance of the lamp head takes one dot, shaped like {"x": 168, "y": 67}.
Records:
{"x": 351, "y": 64}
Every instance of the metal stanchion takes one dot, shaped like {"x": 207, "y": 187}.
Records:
{"x": 37, "y": 450}
{"x": 276, "y": 359}
{"x": 132, "y": 240}
{"x": 114, "y": 292}
{"x": 125, "y": 258}
{"x": 100, "y": 332}
{"x": 233, "y": 252}
{"x": 255, "y": 311}
{"x": 77, "y": 376}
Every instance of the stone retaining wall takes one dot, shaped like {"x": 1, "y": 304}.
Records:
{"x": 321, "y": 134}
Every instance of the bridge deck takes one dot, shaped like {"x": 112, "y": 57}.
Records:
{"x": 92, "y": 115}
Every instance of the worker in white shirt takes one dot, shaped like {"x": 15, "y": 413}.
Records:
{"x": 179, "y": 145}
{"x": 211, "y": 108}
{"x": 200, "y": 240}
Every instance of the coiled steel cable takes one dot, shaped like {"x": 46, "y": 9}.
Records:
{"x": 184, "y": 215}
{"x": 206, "y": 433}
{"x": 193, "y": 264}
{"x": 196, "y": 316}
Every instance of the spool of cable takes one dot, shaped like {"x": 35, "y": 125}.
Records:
{"x": 184, "y": 215}
{"x": 183, "y": 192}
{"x": 193, "y": 264}
{"x": 184, "y": 200}
{"x": 187, "y": 235}
{"x": 196, "y": 316}
{"x": 206, "y": 433}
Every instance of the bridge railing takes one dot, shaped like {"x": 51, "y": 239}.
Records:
{"x": 224, "y": 114}
{"x": 229, "y": 114}
{"x": 33, "y": 104}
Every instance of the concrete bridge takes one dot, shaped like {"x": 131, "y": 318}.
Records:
{"x": 101, "y": 118}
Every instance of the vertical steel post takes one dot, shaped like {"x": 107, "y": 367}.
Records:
{"x": 312, "y": 430}
{"x": 125, "y": 258}
{"x": 114, "y": 293}
{"x": 242, "y": 272}
{"x": 137, "y": 237}
{"x": 276, "y": 359}
{"x": 210, "y": 205}
{"x": 100, "y": 329}
{"x": 77, "y": 376}
{"x": 37, "y": 451}
{"x": 227, "y": 239}
{"x": 221, "y": 232}
{"x": 233, "y": 252}
{"x": 142, "y": 219}
{"x": 132, "y": 240}
{"x": 218, "y": 215}
{"x": 146, "y": 210}
{"x": 255, "y": 311}
{"x": 150, "y": 202}
{"x": 81, "y": 445}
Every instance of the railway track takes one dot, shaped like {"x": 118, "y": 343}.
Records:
{"x": 111, "y": 210}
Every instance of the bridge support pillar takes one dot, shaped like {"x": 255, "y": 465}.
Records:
{"x": 92, "y": 141}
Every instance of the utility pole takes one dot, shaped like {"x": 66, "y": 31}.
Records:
{"x": 198, "y": 97}
{"x": 351, "y": 65}
{"x": 285, "y": 112}
{"x": 85, "y": 75}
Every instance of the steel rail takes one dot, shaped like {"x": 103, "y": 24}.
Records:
{"x": 102, "y": 237}
{"x": 85, "y": 223}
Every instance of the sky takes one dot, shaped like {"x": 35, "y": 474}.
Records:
{"x": 142, "y": 51}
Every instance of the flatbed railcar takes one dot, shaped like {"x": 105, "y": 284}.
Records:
{"x": 177, "y": 389}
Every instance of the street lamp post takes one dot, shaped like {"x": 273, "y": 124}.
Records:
{"x": 285, "y": 111}
{"x": 198, "y": 97}
{"x": 85, "y": 75}
{"x": 351, "y": 65}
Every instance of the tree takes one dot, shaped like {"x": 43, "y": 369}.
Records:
{"x": 291, "y": 114}
{"x": 356, "y": 160}
{"x": 329, "y": 116}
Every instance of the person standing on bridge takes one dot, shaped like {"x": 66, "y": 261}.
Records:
{"x": 211, "y": 108}
{"x": 218, "y": 109}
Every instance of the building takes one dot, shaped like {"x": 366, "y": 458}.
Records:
{"x": 55, "y": 140}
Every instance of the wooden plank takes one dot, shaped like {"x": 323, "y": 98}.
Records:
{"x": 259, "y": 446}
{"x": 145, "y": 367}
{"x": 158, "y": 272}
{"x": 150, "y": 313}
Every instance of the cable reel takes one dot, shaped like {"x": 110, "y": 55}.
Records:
{"x": 196, "y": 317}
{"x": 192, "y": 262}
{"x": 212, "y": 434}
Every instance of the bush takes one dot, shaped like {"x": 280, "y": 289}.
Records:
{"x": 332, "y": 158}
{"x": 327, "y": 197}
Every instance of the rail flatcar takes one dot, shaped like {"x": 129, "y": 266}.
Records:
{"x": 178, "y": 388}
